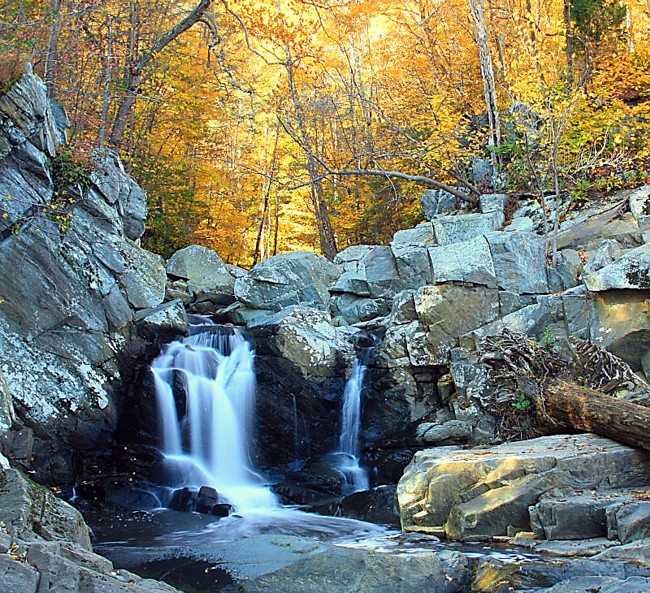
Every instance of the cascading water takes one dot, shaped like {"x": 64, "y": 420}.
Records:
{"x": 207, "y": 442}
{"x": 355, "y": 477}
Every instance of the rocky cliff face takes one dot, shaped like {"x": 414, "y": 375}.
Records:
{"x": 72, "y": 276}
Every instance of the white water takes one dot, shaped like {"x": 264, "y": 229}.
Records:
{"x": 355, "y": 477}
{"x": 207, "y": 442}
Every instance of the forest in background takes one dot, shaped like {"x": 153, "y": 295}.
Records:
{"x": 276, "y": 125}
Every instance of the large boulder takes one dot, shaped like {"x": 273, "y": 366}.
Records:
{"x": 487, "y": 491}
{"x": 203, "y": 269}
{"x": 631, "y": 271}
{"x": 514, "y": 261}
{"x": 455, "y": 229}
{"x": 300, "y": 278}
{"x": 306, "y": 338}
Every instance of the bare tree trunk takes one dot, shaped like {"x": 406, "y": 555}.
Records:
{"x": 567, "y": 405}
{"x": 487, "y": 74}
{"x": 569, "y": 42}
{"x": 52, "y": 51}
{"x": 138, "y": 65}
{"x": 107, "y": 75}
{"x": 326, "y": 235}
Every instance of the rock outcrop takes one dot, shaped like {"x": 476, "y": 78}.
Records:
{"x": 71, "y": 278}
{"x": 485, "y": 492}
{"x": 45, "y": 545}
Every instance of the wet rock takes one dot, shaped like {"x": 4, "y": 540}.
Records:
{"x": 163, "y": 323}
{"x": 602, "y": 584}
{"x": 337, "y": 569}
{"x": 484, "y": 492}
{"x": 377, "y": 505}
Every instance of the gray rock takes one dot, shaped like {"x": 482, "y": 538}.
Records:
{"x": 482, "y": 172}
{"x": 606, "y": 253}
{"x": 639, "y": 201}
{"x": 603, "y": 221}
{"x": 300, "y": 278}
{"x": 437, "y": 329}
{"x": 381, "y": 272}
{"x": 25, "y": 183}
{"x": 145, "y": 279}
{"x": 519, "y": 262}
{"x": 575, "y": 516}
{"x": 521, "y": 223}
{"x": 619, "y": 321}
{"x": 454, "y": 229}
{"x": 601, "y": 584}
{"x": 164, "y": 323}
{"x": 572, "y": 548}
{"x": 119, "y": 189}
{"x": 493, "y": 203}
{"x": 485, "y": 492}
{"x": 467, "y": 261}
{"x": 630, "y": 271}
{"x": 629, "y": 520}
{"x": 7, "y": 413}
{"x": 453, "y": 431}
{"x": 352, "y": 283}
{"x": 414, "y": 268}
{"x": 352, "y": 569}
{"x": 422, "y": 233}
{"x": 304, "y": 337}
{"x": 31, "y": 511}
{"x": 437, "y": 201}
{"x": 354, "y": 309}
{"x": 203, "y": 269}
{"x": 17, "y": 576}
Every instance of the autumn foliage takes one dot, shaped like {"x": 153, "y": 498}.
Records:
{"x": 240, "y": 123}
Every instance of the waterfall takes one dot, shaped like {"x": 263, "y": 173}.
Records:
{"x": 206, "y": 442}
{"x": 355, "y": 477}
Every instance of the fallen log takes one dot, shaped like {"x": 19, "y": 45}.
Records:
{"x": 567, "y": 405}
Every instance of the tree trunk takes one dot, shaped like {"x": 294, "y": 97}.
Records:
{"x": 327, "y": 238}
{"x": 137, "y": 67}
{"x": 487, "y": 74}
{"x": 568, "y": 405}
{"x": 51, "y": 60}
{"x": 569, "y": 42}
